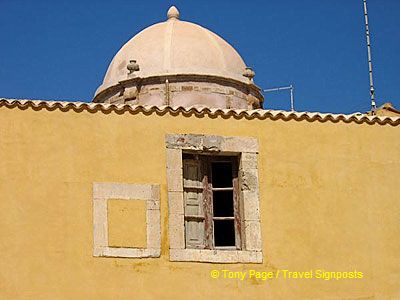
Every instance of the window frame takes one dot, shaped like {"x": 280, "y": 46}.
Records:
{"x": 246, "y": 148}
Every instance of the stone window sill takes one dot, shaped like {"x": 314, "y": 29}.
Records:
{"x": 216, "y": 256}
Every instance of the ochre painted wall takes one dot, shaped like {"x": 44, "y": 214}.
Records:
{"x": 330, "y": 199}
{"x": 126, "y": 220}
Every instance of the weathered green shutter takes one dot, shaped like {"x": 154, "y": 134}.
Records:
{"x": 193, "y": 195}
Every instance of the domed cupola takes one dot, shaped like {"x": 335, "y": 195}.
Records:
{"x": 179, "y": 63}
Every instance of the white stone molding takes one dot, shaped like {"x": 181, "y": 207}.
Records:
{"x": 247, "y": 149}
{"x": 104, "y": 191}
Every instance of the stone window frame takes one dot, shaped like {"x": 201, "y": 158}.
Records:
{"x": 102, "y": 192}
{"x": 247, "y": 149}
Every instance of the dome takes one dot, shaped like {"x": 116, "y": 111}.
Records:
{"x": 175, "y": 47}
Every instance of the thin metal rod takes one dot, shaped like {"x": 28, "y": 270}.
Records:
{"x": 371, "y": 79}
{"x": 167, "y": 100}
{"x": 291, "y": 98}
{"x": 277, "y": 89}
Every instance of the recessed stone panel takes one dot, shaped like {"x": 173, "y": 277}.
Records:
{"x": 127, "y": 225}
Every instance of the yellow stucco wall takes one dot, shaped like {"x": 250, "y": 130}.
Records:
{"x": 126, "y": 220}
{"x": 330, "y": 199}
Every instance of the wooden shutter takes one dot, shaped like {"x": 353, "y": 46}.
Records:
{"x": 237, "y": 204}
{"x": 207, "y": 204}
{"x": 193, "y": 196}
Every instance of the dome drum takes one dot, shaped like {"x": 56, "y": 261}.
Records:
{"x": 183, "y": 90}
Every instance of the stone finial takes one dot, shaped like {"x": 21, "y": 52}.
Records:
{"x": 173, "y": 13}
{"x": 249, "y": 73}
{"x": 133, "y": 66}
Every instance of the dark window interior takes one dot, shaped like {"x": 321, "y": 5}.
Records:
{"x": 221, "y": 174}
{"x": 223, "y": 203}
{"x": 224, "y": 233}
{"x": 188, "y": 156}
{"x": 223, "y": 211}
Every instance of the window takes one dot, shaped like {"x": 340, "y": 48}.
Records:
{"x": 213, "y": 199}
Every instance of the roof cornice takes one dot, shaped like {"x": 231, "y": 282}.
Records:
{"x": 260, "y": 114}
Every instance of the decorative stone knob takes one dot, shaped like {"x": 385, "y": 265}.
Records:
{"x": 249, "y": 73}
{"x": 133, "y": 66}
{"x": 173, "y": 13}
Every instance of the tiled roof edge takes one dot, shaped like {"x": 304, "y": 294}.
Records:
{"x": 212, "y": 112}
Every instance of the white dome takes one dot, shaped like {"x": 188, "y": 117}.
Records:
{"x": 175, "y": 47}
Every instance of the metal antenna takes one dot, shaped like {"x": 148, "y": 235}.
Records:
{"x": 371, "y": 80}
{"x": 290, "y": 87}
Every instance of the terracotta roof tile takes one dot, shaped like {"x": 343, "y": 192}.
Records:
{"x": 200, "y": 111}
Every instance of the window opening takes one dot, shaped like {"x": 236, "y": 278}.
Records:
{"x": 212, "y": 210}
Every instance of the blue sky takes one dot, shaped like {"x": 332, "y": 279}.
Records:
{"x": 60, "y": 50}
